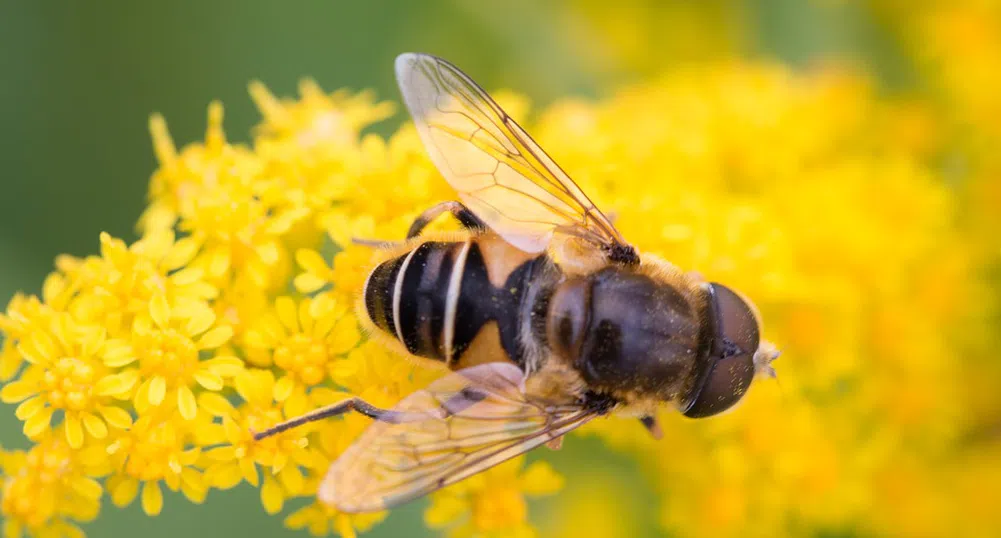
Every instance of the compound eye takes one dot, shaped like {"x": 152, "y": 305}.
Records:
{"x": 737, "y": 322}
{"x": 732, "y": 356}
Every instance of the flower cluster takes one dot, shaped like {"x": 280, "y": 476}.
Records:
{"x": 149, "y": 364}
{"x": 158, "y": 359}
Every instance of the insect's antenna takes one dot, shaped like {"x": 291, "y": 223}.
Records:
{"x": 320, "y": 414}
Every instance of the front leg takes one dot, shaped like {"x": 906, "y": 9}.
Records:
{"x": 465, "y": 217}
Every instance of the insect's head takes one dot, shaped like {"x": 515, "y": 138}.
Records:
{"x": 731, "y": 355}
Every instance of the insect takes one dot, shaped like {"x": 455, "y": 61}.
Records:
{"x": 545, "y": 315}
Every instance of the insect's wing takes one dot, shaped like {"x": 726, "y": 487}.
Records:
{"x": 461, "y": 424}
{"x": 500, "y": 173}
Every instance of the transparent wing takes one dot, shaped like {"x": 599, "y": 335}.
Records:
{"x": 500, "y": 173}
{"x": 463, "y": 423}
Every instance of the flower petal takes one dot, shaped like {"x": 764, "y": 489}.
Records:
{"x": 87, "y": 487}
{"x": 311, "y": 261}
{"x": 159, "y": 310}
{"x": 308, "y": 283}
{"x": 118, "y": 353}
{"x": 74, "y": 430}
{"x": 216, "y": 404}
{"x": 124, "y": 492}
{"x": 38, "y": 423}
{"x": 285, "y": 307}
{"x": 271, "y": 496}
{"x": 42, "y": 346}
{"x": 152, "y": 498}
{"x": 29, "y": 408}
{"x": 182, "y": 252}
{"x": 249, "y": 471}
{"x": 224, "y": 476}
{"x": 93, "y": 341}
{"x": 117, "y": 384}
{"x": 225, "y": 366}
{"x": 16, "y": 391}
{"x": 116, "y": 417}
{"x": 344, "y": 337}
{"x": 200, "y": 320}
{"x": 186, "y": 403}
{"x": 209, "y": 379}
{"x": 94, "y": 425}
{"x": 283, "y": 388}
{"x": 215, "y": 338}
{"x": 292, "y": 480}
{"x": 157, "y": 390}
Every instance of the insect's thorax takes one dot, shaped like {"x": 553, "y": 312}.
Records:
{"x": 461, "y": 302}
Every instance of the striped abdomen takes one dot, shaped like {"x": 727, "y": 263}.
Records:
{"x": 439, "y": 296}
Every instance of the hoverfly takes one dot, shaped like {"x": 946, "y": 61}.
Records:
{"x": 545, "y": 315}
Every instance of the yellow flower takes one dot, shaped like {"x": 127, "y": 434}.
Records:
{"x": 309, "y": 147}
{"x": 379, "y": 378}
{"x": 280, "y": 455}
{"x": 24, "y": 315}
{"x": 213, "y": 193}
{"x": 198, "y": 169}
{"x": 66, "y": 374}
{"x": 166, "y": 351}
{"x": 494, "y": 501}
{"x": 317, "y": 120}
{"x": 122, "y": 282}
{"x": 44, "y": 490}
{"x": 159, "y": 448}
{"x": 320, "y": 520}
{"x": 302, "y": 345}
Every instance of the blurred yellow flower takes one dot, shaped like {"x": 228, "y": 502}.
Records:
{"x": 320, "y": 520}
{"x": 48, "y": 488}
{"x": 492, "y": 504}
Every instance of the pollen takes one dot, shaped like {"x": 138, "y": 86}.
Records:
{"x": 303, "y": 356}
{"x": 168, "y": 354}
{"x": 70, "y": 384}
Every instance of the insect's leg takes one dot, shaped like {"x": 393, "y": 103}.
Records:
{"x": 461, "y": 212}
{"x": 339, "y": 408}
{"x": 652, "y": 426}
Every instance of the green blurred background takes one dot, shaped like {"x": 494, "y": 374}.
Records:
{"x": 78, "y": 82}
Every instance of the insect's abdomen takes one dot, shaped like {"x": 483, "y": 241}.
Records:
{"x": 436, "y": 299}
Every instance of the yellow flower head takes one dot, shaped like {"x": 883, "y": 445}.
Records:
{"x": 47, "y": 488}
{"x": 302, "y": 344}
{"x": 280, "y": 455}
{"x": 66, "y": 374}
{"x": 158, "y": 448}
{"x": 171, "y": 349}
